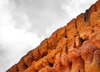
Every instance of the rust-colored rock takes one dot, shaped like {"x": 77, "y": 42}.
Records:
{"x": 51, "y": 56}
{"x": 43, "y": 48}
{"x": 71, "y": 30}
{"x": 89, "y": 11}
{"x": 95, "y": 39}
{"x": 61, "y": 32}
{"x": 52, "y": 43}
{"x": 28, "y": 60}
{"x": 62, "y": 45}
{"x": 38, "y": 65}
{"x": 21, "y": 65}
{"x": 62, "y": 64}
{"x": 97, "y": 26}
{"x": 13, "y": 68}
{"x": 98, "y": 5}
{"x": 48, "y": 69}
{"x": 72, "y": 48}
{"x": 36, "y": 54}
{"x": 45, "y": 61}
{"x": 80, "y": 21}
{"x": 95, "y": 16}
{"x": 30, "y": 69}
{"x": 85, "y": 32}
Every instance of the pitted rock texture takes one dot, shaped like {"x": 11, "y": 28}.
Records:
{"x": 72, "y": 48}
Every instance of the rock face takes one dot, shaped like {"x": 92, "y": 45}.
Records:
{"x": 72, "y": 48}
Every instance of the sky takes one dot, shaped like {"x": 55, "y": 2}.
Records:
{"x": 25, "y": 23}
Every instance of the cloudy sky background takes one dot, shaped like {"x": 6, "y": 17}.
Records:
{"x": 25, "y": 23}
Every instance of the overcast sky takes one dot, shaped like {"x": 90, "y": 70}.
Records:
{"x": 25, "y": 23}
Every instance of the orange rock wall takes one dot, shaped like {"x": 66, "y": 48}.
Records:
{"x": 72, "y": 48}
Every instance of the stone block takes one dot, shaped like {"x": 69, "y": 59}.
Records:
{"x": 47, "y": 69}
{"x": 45, "y": 61}
{"x": 28, "y": 60}
{"x": 43, "y": 47}
{"x": 21, "y": 65}
{"x": 14, "y": 68}
{"x": 51, "y": 56}
{"x": 36, "y": 54}
{"x": 98, "y": 5}
{"x": 95, "y": 16}
{"x": 38, "y": 65}
{"x": 61, "y": 32}
{"x": 95, "y": 39}
{"x": 31, "y": 69}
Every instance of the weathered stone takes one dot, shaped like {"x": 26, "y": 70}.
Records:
{"x": 62, "y": 65}
{"x": 52, "y": 43}
{"x": 95, "y": 16}
{"x": 51, "y": 56}
{"x": 80, "y": 21}
{"x": 78, "y": 65}
{"x": 89, "y": 11}
{"x": 21, "y": 65}
{"x": 95, "y": 39}
{"x": 71, "y": 24}
{"x": 38, "y": 65}
{"x": 78, "y": 41}
{"x": 62, "y": 45}
{"x": 71, "y": 30}
{"x": 71, "y": 43}
{"x": 98, "y": 5}
{"x": 54, "y": 34}
{"x": 13, "y": 68}
{"x": 61, "y": 32}
{"x": 47, "y": 69}
{"x": 43, "y": 48}
{"x": 33, "y": 63}
{"x": 65, "y": 60}
{"x": 36, "y": 54}
{"x": 97, "y": 26}
{"x": 72, "y": 48}
{"x": 87, "y": 51}
{"x": 30, "y": 69}
{"x": 73, "y": 54}
{"x": 71, "y": 33}
{"x": 28, "y": 60}
{"x": 95, "y": 66}
{"x": 85, "y": 32}
{"x": 45, "y": 61}
{"x": 74, "y": 42}
{"x": 58, "y": 55}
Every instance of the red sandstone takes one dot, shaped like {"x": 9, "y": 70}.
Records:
{"x": 72, "y": 48}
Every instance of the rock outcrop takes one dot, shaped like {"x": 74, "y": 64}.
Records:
{"x": 72, "y": 48}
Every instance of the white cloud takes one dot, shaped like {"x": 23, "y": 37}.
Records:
{"x": 76, "y": 7}
{"x": 15, "y": 42}
{"x": 10, "y": 34}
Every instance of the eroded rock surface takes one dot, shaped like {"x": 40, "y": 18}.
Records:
{"x": 72, "y": 48}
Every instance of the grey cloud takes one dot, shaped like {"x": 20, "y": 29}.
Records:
{"x": 41, "y": 14}
{"x": 45, "y": 13}
{"x": 7, "y": 60}
{"x": 3, "y": 59}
